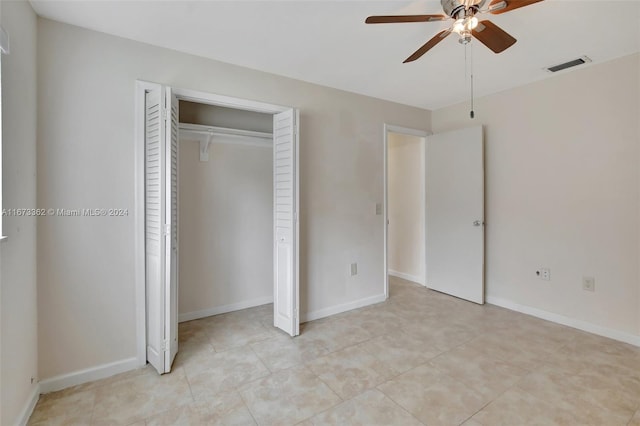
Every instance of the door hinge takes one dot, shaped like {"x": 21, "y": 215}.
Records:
{"x": 295, "y": 216}
{"x": 165, "y": 345}
{"x": 166, "y": 230}
{"x": 165, "y": 114}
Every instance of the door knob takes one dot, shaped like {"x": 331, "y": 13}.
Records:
{"x": 477, "y": 223}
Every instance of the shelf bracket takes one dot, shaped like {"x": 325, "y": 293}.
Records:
{"x": 204, "y": 147}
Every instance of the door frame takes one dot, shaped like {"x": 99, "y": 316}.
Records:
{"x": 390, "y": 128}
{"x": 139, "y": 199}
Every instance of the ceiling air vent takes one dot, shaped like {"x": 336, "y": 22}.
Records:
{"x": 581, "y": 60}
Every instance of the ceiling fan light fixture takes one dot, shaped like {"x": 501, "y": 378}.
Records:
{"x": 465, "y": 25}
{"x": 458, "y": 26}
{"x": 463, "y": 28}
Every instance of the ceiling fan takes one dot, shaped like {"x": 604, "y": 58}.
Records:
{"x": 466, "y": 25}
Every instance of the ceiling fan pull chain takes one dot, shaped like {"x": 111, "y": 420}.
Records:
{"x": 468, "y": 70}
{"x": 471, "y": 113}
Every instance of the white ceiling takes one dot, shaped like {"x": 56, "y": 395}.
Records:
{"x": 327, "y": 42}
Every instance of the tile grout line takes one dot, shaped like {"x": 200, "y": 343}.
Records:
{"x": 397, "y": 403}
{"x": 244, "y": 402}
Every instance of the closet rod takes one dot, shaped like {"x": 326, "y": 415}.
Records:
{"x": 213, "y": 130}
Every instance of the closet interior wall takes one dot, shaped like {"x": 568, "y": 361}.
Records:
{"x": 225, "y": 214}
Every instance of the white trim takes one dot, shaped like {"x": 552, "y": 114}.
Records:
{"x": 408, "y": 277}
{"x": 390, "y": 128}
{"x": 564, "y": 320}
{"x": 217, "y": 310}
{"x": 385, "y": 211}
{"x": 4, "y": 41}
{"x": 79, "y": 377}
{"x": 407, "y": 131}
{"x": 228, "y": 101}
{"x": 27, "y": 411}
{"x": 423, "y": 203}
{"x": 338, "y": 309}
{"x": 296, "y": 241}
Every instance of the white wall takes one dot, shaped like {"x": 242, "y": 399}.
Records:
{"x": 213, "y": 115}
{"x": 86, "y": 159}
{"x": 225, "y": 228}
{"x": 562, "y": 191}
{"x": 19, "y": 350}
{"x": 405, "y": 192}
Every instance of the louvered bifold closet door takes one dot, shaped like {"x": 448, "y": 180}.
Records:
{"x": 285, "y": 155}
{"x": 172, "y": 215}
{"x": 154, "y": 227}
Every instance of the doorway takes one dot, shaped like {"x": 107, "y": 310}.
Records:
{"x": 157, "y": 236}
{"x": 404, "y": 204}
{"x": 453, "y": 205}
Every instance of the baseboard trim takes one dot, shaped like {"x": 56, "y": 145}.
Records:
{"x": 27, "y": 411}
{"x": 217, "y": 310}
{"x": 338, "y": 309}
{"x": 571, "y": 322}
{"x": 413, "y": 278}
{"x": 64, "y": 381}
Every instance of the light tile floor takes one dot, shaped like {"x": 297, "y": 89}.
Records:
{"x": 419, "y": 358}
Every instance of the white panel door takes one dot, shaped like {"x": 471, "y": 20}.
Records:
{"x": 286, "y": 299}
{"x": 155, "y": 259}
{"x": 171, "y": 252}
{"x": 455, "y": 213}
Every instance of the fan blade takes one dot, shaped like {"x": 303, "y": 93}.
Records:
{"x": 492, "y": 36}
{"x": 501, "y": 6}
{"x": 404, "y": 18}
{"x": 428, "y": 45}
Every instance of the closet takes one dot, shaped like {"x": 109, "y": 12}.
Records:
{"x": 217, "y": 219}
{"x": 226, "y": 210}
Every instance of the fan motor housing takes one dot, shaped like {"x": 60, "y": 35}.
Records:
{"x": 453, "y": 8}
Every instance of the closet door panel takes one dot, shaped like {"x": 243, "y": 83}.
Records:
{"x": 154, "y": 226}
{"x": 171, "y": 286}
{"x": 285, "y": 161}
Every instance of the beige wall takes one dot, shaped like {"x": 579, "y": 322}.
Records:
{"x": 19, "y": 350}
{"x": 213, "y": 115}
{"x": 562, "y": 191}
{"x": 405, "y": 189}
{"x": 86, "y": 159}
{"x": 226, "y": 227}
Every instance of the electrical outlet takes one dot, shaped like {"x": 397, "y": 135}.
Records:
{"x": 354, "y": 269}
{"x": 588, "y": 283}
{"x": 544, "y": 274}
